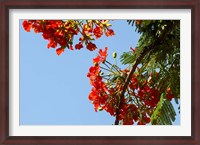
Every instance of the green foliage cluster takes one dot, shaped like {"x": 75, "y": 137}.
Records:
{"x": 161, "y": 38}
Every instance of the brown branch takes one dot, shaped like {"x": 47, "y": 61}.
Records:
{"x": 128, "y": 78}
{"x": 145, "y": 51}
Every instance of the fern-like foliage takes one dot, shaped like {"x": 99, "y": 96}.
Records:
{"x": 131, "y": 22}
{"x": 164, "y": 113}
{"x": 127, "y": 58}
{"x": 163, "y": 58}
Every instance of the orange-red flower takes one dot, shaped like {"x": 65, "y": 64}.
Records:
{"x": 59, "y": 51}
{"x": 101, "y": 56}
{"x": 53, "y": 24}
{"x": 169, "y": 95}
{"x": 93, "y": 73}
{"x": 27, "y": 25}
{"x": 91, "y": 46}
{"x": 87, "y": 29}
{"x": 138, "y": 22}
{"x": 52, "y": 43}
{"x": 110, "y": 32}
{"x": 144, "y": 120}
{"x": 37, "y": 26}
{"x": 97, "y": 32}
{"x": 79, "y": 46}
{"x": 59, "y": 33}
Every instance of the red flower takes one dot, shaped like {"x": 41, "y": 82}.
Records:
{"x": 91, "y": 46}
{"x": 138, "y": 22}
{"x": 96, "y": 105}
{"x": 98, "y": 95}
{"x": 79, "y": 46}
{"x": 71, "y": 47}
{"x": 52, "y": 43}
{"x": 140, "y": 123}
{"x": 169, "y": 96}
{"x": 110, "y": 32}
{"x": 62, "y": 41}
{"x": 150, "y": 96}
{"x": 37, "y": 26}
{"x": 94, "y": 97}
{"x": 87, "y": 29}
{"x": 134, "y": 82}
{"x": 144, "y": 120}
{"x": 47, "y": 35}
{"x": 97, "y": 32}
{"x": 72, "y": 31}
{"x": 102, "y": 56}
{"x": 128, "y": 113}
{"x": 93, "y": 73}
{"x": 54, "y": 24}
{"x": 97, "y": 59}
{"x": 109, "y": 108}
{"x": 59, "y": 51}
{"x": 93, "y": 94}
{"x": 59, "y": 33}
{"x": 27, "y": 25}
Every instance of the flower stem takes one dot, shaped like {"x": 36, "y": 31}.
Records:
{"x": 107, "y": 69}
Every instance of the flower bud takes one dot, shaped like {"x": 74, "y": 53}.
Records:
{"x": 102, "y": 73}
{"x": 96, "y": 64}
{"x": 100, "y": 109}
{"x": 114, "y": 54}
{"x": 108, "y": 25}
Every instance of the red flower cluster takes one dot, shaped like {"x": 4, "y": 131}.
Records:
{"x": 107, "y": 98}
{"x": 139, "y": 101}
{"x": 150, "y": 96}
{"x": 98, "y": 95}
{"x": 129, "y": 113}
{"x": 55, "y": 31}
{"x": 94, "y": 28}
{"x": 59, "y": 32}
{"x": 101, "y": 95}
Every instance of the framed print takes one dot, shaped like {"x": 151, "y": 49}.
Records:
{"x": 114, "y": 72}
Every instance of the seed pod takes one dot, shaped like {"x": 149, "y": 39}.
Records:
{"x": 114, "y": 54}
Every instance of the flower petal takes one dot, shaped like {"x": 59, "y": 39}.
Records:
{"x": 59, "y": 51}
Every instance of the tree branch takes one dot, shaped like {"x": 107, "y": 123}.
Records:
{"x": 128, "y": 78}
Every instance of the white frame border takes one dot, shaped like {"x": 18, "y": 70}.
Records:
{"x": 181, "y": 14}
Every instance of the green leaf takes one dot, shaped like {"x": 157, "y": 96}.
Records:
{"x": 164, "y": 113}
{"x": 127, "y": 58}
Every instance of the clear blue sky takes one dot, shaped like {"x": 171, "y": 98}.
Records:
{"x": 54, "y": 89}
